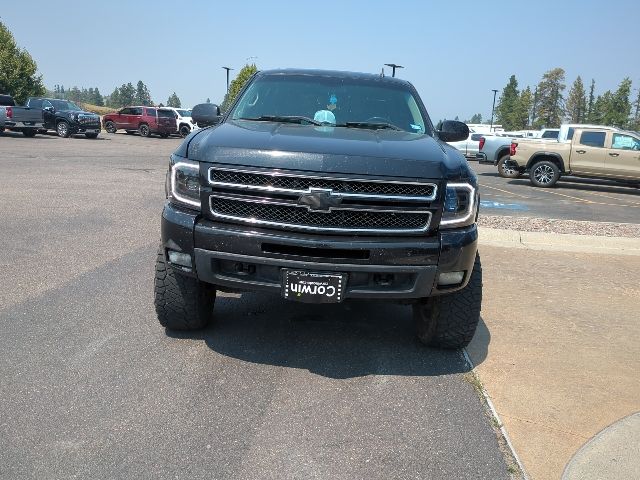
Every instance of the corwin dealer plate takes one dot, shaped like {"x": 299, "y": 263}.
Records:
{"x": 311, "y": 287}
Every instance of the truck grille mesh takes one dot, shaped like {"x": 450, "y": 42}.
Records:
{"x": 336, "y": 219}
{"x": 267, "y": 180}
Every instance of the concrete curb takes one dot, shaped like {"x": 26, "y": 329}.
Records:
{"x": 494, "y": 237}
{"x": 494, "y": 412}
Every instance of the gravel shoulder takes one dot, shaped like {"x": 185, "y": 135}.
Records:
{"x": 546, "y": 225}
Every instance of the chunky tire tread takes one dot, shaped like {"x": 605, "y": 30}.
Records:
{"x": 450, "y": 321}
{"x": 182, "y": 303}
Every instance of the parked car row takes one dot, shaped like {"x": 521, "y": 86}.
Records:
{"x": 66, "y": 118}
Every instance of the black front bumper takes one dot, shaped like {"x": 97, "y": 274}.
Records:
{"x": 242, "y": 258}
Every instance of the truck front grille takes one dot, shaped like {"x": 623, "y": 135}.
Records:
{"x": 287, "y": 200}
{"x": 88, "y": 119}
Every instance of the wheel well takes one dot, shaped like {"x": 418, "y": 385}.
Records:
{"x": 184, "y": 125}
{"x": 549, "y": 158}
{"x": 502, "y": 152}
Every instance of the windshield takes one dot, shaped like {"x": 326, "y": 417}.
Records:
{"x": 184, "y": 113}
{"x": 65, "y": 105}
{"x": 332, "y": 101}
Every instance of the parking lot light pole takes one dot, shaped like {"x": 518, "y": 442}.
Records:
{"x": 393, "y": 66}
{"x": 493, "y": 108}
{"x": 227, "y": 69}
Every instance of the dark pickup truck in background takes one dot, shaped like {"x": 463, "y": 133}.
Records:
{"x": 323, "y": 186}
{"x": 65, "y": 117}
{"x": 41, "y": 114}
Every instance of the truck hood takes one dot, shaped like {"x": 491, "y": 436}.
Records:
{"x": 325, "y": 149}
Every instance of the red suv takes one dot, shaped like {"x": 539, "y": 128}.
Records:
{"x": 145, "y": 120}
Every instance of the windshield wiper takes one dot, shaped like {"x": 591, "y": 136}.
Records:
{"x": 371, "y": 125}
{"x": 283, "y": 119}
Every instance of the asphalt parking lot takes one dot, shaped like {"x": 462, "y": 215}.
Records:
{"x": 572, "y": 198}
{"x": 93, "y": 387}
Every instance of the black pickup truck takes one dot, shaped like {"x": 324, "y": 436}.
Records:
{"x": 65, "y": 117}
{"x": 322, "y": 186}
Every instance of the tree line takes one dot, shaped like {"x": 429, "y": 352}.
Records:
{"x": 547, "y": 107}
{"x": 121, "y": 96}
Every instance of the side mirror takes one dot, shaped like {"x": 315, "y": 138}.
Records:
{"x": 453, "y": 131}
{"x": 49, "y": 109}
{"x": 206, "y": 114}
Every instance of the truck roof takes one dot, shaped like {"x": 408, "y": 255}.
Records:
{"x": 333, "y": 73}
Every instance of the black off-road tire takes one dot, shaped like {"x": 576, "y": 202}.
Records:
{"x": 164, "y": 135}
{"x": 31, "y": 132}
{"x": 144, "y": 130}
{"x": 110, "y": 127}
{"x": 182, "y": 302}
{"x": 507, "y": 171}
{"x": 184, "y": 130}
{"x": 91, "y": 135}
{"x": 544, "y": 174}
{"x": 450, "y": 320}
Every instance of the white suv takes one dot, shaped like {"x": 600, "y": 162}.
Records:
{"x": 183, "y": 121}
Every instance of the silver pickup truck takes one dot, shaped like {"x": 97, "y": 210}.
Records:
{"x": 19, "y": 119}
{"x": 495, "y": 149}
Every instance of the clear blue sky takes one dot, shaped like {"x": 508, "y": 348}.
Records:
{"x": 455, "y": 52}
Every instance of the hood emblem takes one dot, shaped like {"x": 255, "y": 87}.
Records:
{"x": 320, "y": 200}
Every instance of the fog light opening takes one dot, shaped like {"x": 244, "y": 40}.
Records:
{"x": 180, "y": 258}
{"x": 448, "y": 279}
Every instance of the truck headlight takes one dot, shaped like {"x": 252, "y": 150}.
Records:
{"x": 460, "y": 205}
{"x": 184, "y": 183}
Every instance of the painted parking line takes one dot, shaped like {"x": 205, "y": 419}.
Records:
{"x": 482, "y": 185}
{"x": 503, "y": 206}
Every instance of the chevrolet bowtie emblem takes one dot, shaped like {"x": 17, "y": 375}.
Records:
{"x": 320, "y": 200}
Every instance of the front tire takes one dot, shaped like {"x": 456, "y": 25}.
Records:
{"x": 544, "y": 174}
{"x": 63, "y": 129}
{"x": 110, "y": 127}
{"x": 91, "y": 135}
{"x": 182, "y": 302}
{"x": 507, "y": 170}
{"x": 184, "y": 131}
{"x": 144, "y": 130}
{"x": 450, "y": 320}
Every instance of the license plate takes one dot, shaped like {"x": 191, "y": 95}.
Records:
{"x": 311, "y": 287}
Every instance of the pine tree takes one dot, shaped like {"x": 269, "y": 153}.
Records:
{"x": 636, "y": 116}
{"x": 236, "y": 85}
{"x": 476, "y": 118}
{"x": 506, "y": 110}
{"x": 174, "y": 101}
{"x": 576, "y": 105}
{"x": 142, "y": 95}
{"x": 590, "y": 104}
{"x": 523, "y": 109}
{"x": 617, "y": 109}
{"x": 550, "y": 101}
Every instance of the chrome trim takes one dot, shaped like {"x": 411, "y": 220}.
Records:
{"x": 472, "y": 206}
{"x": 268, "y": 201}
{"x": 421, "y": 198}
{"x": 253, "y": 221}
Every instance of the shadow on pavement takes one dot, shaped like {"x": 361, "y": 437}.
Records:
{"x": 347, "y": 340}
